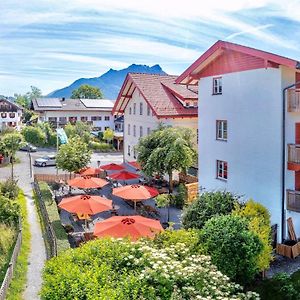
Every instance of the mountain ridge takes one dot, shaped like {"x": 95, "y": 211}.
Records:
{"x": 109, "y": 82}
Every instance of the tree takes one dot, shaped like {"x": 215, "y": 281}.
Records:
{"x": 206, "y": 206}
{"x": 108, "y": 135}
{"x": 73, "y": 156}
{"x": 166, "y": 150}
{"x": 86, "y": 91}
{"x": 12, "y": 142}
{"x": 79, "y": 129}
{"x": 34, "y": 135}
{"x": 233, "y": 248}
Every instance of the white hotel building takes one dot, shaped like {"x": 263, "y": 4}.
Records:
{"x": 146, "y": 100}
{"x": 10, "y": 114}
{"x": 249, "y": 141}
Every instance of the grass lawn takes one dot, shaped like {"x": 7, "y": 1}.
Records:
{"x": 61, "y": 236}
{"x": 18, "y": 282}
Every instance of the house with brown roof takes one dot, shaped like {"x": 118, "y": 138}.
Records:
{"x": 146, "y": 100}
{"x": 10, "y": 114}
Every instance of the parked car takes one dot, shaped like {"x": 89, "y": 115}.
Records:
{"x": 29, "y": 148}
{"x": 44, "y": 161}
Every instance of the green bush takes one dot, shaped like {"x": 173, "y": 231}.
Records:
{"x": 9, "y": 188}
{"x": 51, "y": 138}
{"x": 233, "y": 248}
{"x": 34, "y": 135}
{"x": 79, "y": 129}
{"x": 180, "y": 199}
{"x": 9, "y": 211}
{"x": 206, "y": 206}
{"x": 260, "y": 223}
{"x": 103, "y": 147}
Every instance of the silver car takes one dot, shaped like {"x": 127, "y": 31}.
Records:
{"x": 44, "y": 161}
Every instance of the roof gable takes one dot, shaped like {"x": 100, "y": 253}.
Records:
{"x": 9, "y": 105}
{"x": 228, "y": 57}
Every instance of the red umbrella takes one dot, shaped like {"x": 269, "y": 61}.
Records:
{"x": 124, "y": 175}
{"x": 85, "y": 204}
{"x": 89, "y": 171}
{"x": 128, "y": 226}
{"x": 135, "y": 164}
{"x": 135, "y": 192}
{"x": 112, "y": 167}
{"x": 87, "y": 182}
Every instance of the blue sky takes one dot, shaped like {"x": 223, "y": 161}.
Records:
{"x": 50, "y": 44}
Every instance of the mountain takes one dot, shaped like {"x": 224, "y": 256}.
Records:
{"x": 109, "y": 83}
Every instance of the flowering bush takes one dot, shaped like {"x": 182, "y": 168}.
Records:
{"x": 119, "y": 269}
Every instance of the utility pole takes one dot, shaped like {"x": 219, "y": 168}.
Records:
{"x": 56, "y": 145}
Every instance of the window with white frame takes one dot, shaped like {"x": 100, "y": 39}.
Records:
{"x": 128, "y": 149}
{"x": 217, "y": 85}
{"x": 148, "y": 110}
{"x": 134, "y": 153}
{"x": 134, "y": 130}
{"x": 141, "y": 108}
{"x": 222, "y": 170}
{"x": 221, "y": 130}
{"x": 130, "y": 110}
{"x": 148, "y": 130}
{"x": 134, "y": 108}
{"x": 128, "y": 129}
{"x": 106, "y": 118}
{"x": 141, "y": 131}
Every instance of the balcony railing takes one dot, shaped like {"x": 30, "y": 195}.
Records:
{"x": 293, "y": 96}
{"x": 294, "y": 153}
{"x": 293, "y": 200}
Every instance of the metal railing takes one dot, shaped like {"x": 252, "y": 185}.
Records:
{"x": 293, "y": 200}
{"x": 11, "y": 266}
{"x": 294, "y": 153}
{"x": 293, "y": 96}
{"x": 50, "y": 238}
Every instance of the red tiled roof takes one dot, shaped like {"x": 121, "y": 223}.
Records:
{"x": 189, "y": 76}
{"x": 160, "y": 92}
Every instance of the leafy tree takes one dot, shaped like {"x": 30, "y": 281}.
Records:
{"x": 12, "y": 142}
{"x": 79, "y": 129}
{"x": 34, "y": 135}
{"x": 51, "y": 138}
{"x": 206, "y": 206}
{"x": 166, "y": 150}
{"x": 9, "y": 188}
{"x": 9, "y": 211}
{"x": 73, "y": 156}
{"x": 259, "y": 223}
{"x": 233, "y": 248}
{"x": 108, "y": 135}
{"x": 86, "y": 91}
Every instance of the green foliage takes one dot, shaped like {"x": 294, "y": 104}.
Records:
{"x": 34, "y": 135}
{"x": 73, "y": 156}
{"x": 102, "y": 147}
{"x": 9, "y": 188}
{"x": 118, "y": 269}
{"x": 163, "y": 200}
{"x": 180, "y": 198}
{"x": 165, "y": 150}
{"x": 60, "y": 233}
{"x": 18, "y": 283}
{"x": 100, "y": 135}
{"x": 206, "y": 206}
{"x": 12, "y": 142}
{"x": 86, "y": 91}
{"x": 232, "y": 247}
{"x": 108, "y": 135}
{"x": 79, "y": 129}
{"x": 51, "y": 138}
{"x": 259, "y": 223}
{"x": 9, "y": 211}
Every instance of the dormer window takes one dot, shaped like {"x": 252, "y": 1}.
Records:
{"x": 187, "y": 104}
{"x": 217, "y": 86}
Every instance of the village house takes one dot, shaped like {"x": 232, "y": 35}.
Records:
{"x": 96, "y": 112}
{"x": 146, "y": 100}
{"x": 10, "y": 114}
{"x": 249, "y": 127}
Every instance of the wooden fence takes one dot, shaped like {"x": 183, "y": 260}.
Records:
{"x": 53, "y": 178}
{"x": 192, "y": 191}
{"x": 50, "y": 238}
{"x": 12, "y": 264}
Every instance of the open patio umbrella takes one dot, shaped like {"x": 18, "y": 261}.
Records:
{"x": 128, "y": 226}
{"x": 124, "y": 175}
{"x": 112, "y": 167}
{"x": 87, "y": 182}
{"x": 89, "y": 171}
{"x": 135, "y": 192}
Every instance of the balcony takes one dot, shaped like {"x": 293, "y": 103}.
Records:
{"x": 293, "y": 157}
{"x": 293, "y": 96}
{"x": 293, "y": 200}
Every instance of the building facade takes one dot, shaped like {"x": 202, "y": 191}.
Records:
{"x": 244, "y": 141}
{"x": 146, "y": 100}
{"x": 96, "y": 112}
{"x": 10, "y": 114}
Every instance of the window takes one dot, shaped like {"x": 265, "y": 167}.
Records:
{"x": 148, "y": 130}
{"x": 221, "y": 128}
{"x": 134, "y": 153}
{"x": 134, "y": 130}
{"x": 12, "y": 115}
{"x": 134, "y": 108}
{"x": 52, "y": 120}
{"x": 106, "y": 127}
{"x": 141, "y": 131}
{"x": 130, "y": 110}
{"x": 106, "y": 118}
{"x": 217, "y": 86}
{"x": 72, "y": 119}
{"x": 222, "y": 169}
{"x": 128, "y": 129}
{"x": 96, "y": 118}
{"x": 148, "y": 110}
{"x": 62, "y": 120}
{"x": 3, "y": 115}
{"x": 128, "y": 150}
{"x": 84, "y": 119}
{"x": 141, "y": 108}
